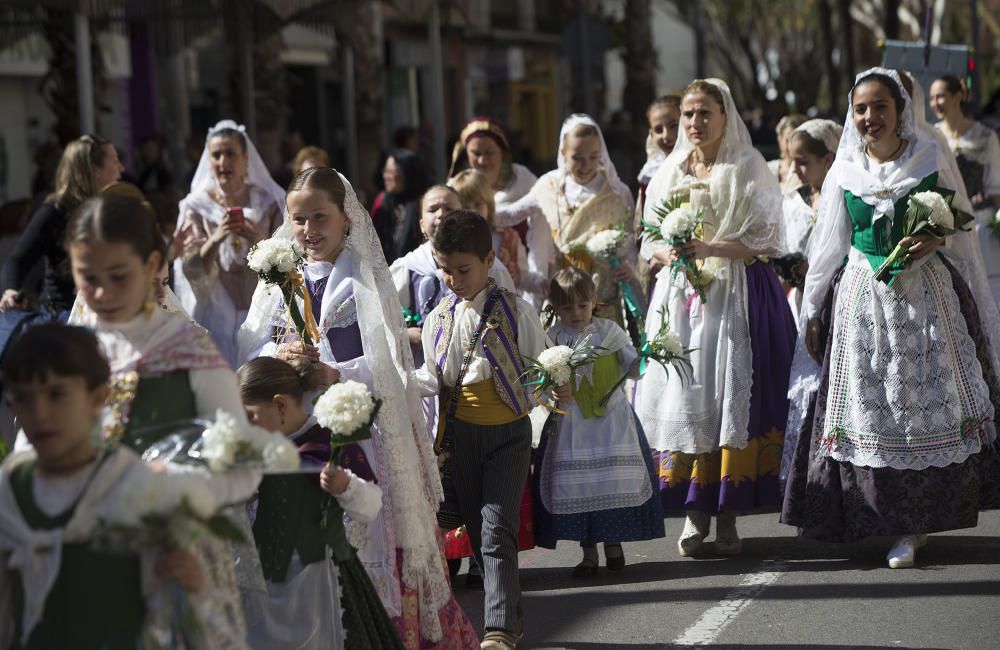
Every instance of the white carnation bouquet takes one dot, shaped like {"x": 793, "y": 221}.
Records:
{"x": 678, "y": 225}
{"x": 927, "y": 213}
{"x": 348, "y": 410}
{"x": 666, "y": 349}
{"x": 606, "y": 245}
{"x": 164, "y": 512}
{"x": 994, "y": 224}
{"x": 556, "y": 366}
{"x": 226, "y": 444}
{"x": 278, "y": 262}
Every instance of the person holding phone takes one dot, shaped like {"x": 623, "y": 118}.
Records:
{"x": 233, "y": 204}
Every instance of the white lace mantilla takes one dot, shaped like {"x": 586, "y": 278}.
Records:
{"x": 906, "y": 387}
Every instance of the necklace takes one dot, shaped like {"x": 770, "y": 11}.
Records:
{"x": 892, "y": 156}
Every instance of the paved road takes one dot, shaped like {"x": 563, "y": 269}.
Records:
{"x": 781, "y": 593}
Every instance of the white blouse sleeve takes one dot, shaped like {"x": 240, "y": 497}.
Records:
{"x": 426, "y": 377}
{"x": 401, "y": 279}
{"x": 830, "y": 242}
{"x": 215, "y": 389}
{"x": 516, "y": 212}
{"x": 361, "y": 500}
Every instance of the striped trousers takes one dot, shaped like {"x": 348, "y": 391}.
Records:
{"x": 490, "y": 466}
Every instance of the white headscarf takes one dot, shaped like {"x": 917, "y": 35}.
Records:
{"x": 745, "y": 194}
{"x": 414, "y": 486}
{"x": 575, "y": 120}
{"x": 257, "y": 173}
{"x": 826, "y": 131}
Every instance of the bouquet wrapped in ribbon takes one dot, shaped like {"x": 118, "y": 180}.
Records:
{"x": 223, "y": 445}
{"x": 556, "y": 366}
{"x": 348, "y": 410}
{"x": 165, "y": 512}
{"x": 927, "y": 213}
{"x": 666, "y": 349}
{"x": 678, "y": 225}
{"x": 606, "y": 245}
{"x": 278, "y": 262}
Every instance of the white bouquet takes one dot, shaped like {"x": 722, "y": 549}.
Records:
{"x": 606, "y": 243}
{"x": 275, "y": 256}
{"x": 556, "y": 366}
{"x": 348, "y": 410}
{"x": 994, "y": 224}
{"x": 679, "y": 224}
{"x": 938, "y": 210}
{"x": 164, "y": 512}
{"x": 278, "y": 262}
{"x": 227, "y": 444}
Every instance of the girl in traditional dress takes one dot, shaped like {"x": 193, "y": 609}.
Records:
{"x": 164, "y": 369}
{"x": 233, "y": 204}
{"x": 320, "y": 595}
{"x": 581, "y": 198}
{"x": 811, "y": 149}
{"x": 58, "y": 590}
{"x": 977, "y": 150}
{"x": 484, "y": 146}
{"x": 594, "y": 474}
{"x": 362, "y": 338}
{"x": 721, "y": 432}
{"x": 902, "y": 439}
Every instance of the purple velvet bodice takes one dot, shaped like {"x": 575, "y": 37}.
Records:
{"x": 345, "y": 342}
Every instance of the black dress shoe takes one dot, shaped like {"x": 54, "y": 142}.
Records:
{"x": 474, "y": 580}
{"x": 585, "y": 569}
{"x": 615, "y": 562}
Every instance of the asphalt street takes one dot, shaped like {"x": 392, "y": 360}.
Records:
{"x": 782, "y": 592}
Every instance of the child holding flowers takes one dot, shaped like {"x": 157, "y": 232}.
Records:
{"x": 474, "y": 341}
{"x": 594, "y": 475}
{"x": 300, "y": 532}
{"x": 362, "y": 339}
{"x": 54, "y": 498}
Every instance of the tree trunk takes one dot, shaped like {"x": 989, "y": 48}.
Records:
{"x": 847, "y": 40}
{"x": 640, "y": 59}
{"x": 826, "y": 41}
{"x": 892, "y": 19}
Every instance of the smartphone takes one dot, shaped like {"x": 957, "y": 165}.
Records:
{"x": 236, "y": 217}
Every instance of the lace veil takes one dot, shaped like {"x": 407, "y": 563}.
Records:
{"x": 571, "y": 122}
{"x": 414, "y": 486}
{"x": 745, "y": 194}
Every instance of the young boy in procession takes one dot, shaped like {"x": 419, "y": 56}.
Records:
{"x": 474, "y": 341}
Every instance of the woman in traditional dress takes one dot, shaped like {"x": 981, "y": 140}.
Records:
{"x": 232, "y": 205}
{"x": 977, "y": 150}
{"x": 720, "y": 431}
{"x": 900, "y": 438}
{"x": 362, "y": 338}
{"x": 484, "y": 146}
{"x": 579, "y": 199}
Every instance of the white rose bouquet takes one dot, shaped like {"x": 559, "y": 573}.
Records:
{"x": 225, "y": 444}
{"x": 678, "y": 225}
{"x": 348, "y": 410}
{"x": 994, "y": 224}
{"x": 278, "y": 262}
{"x": 927, "y": 213}
{"x": 556, "y": 366}
{"x": 165, "y": 512}
{"x": 606, "y": 245}
{"x": 666, "y": 349}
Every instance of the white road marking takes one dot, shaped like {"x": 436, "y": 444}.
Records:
{"x": 711, "y": 624}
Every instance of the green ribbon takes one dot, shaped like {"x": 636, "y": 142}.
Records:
{"x": 631, "y": 302}
{"x": 411, "y": 318}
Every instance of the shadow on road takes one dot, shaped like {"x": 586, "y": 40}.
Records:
{"x": 721, "y": 646}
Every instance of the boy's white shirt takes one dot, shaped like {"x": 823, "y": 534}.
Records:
{"x": 531, "y": 340}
